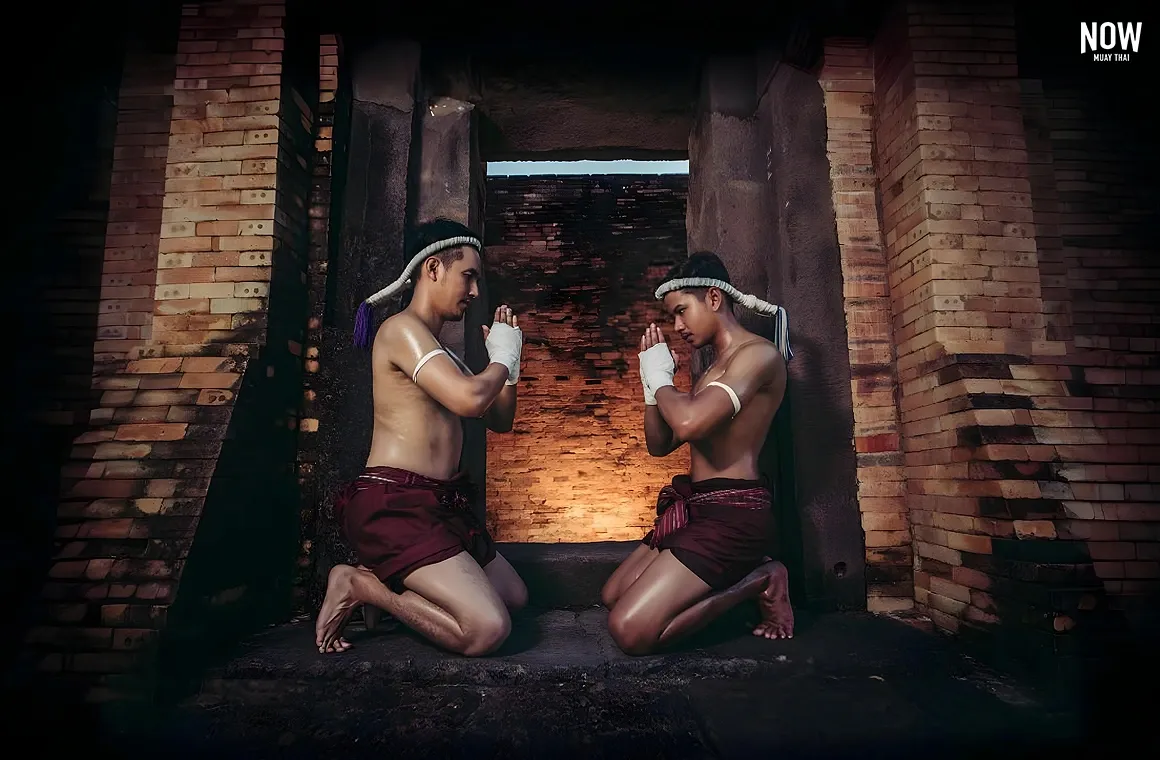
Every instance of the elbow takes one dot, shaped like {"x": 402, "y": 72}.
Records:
{"x": 684, "y": 431}
{"x": 661, "y": 449}
{"x": 474, "y": 403}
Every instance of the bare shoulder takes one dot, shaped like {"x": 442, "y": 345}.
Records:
{"x": 403, "y": 329}
{"x": 402, "y": 341}
{"x": 759, "y": 353}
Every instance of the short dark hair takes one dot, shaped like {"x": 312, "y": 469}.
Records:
{"x": 700, "y": 264}
{"x": 432, "y": 232}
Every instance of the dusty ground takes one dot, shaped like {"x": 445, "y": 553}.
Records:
{"x": 848, "y": 685}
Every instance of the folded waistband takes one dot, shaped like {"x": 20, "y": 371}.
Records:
{"x": 683, "y": 482}
{"x": 413, "y": 479}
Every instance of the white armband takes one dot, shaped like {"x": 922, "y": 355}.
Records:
{"x": 732, "y": 395}
{"x": 428, "y": 357}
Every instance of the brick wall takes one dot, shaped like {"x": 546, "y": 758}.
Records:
{"x": 578, "y": 257}
{"x": 185, "y": 440}
{"x": 1092, "y": 202}
{"x": 131, "y": 245}
{"x": 847, "y": 76}
{"x": 964, "y": 283}
{"x": 1023, "y": 366}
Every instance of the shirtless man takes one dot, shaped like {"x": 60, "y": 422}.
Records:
{"x": 423, "y": 556}
{"x": 707, "y": 550}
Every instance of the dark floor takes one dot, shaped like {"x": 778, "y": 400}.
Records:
{"x": 847, "y": 685}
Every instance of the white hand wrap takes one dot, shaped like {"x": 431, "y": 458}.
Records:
{"x": 650, "y": 398}
{"x": 657, "y": 367}
{"x": 504, "y": 345}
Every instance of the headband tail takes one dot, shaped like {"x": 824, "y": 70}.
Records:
{"x": 362, "y": 326}
{"x": 781, "y": 333}
{"x": 365, "y": 315}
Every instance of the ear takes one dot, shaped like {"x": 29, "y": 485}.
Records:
{"x": 716, "y": 299}
{"x": 431, "y": 268}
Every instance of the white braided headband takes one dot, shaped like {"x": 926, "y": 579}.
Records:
{"x": 405, "y": 277}
{"x": 753, "y": 303}
{"x": 362, "y": 320}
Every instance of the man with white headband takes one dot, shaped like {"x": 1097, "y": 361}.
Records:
{"x": 708, "y": 548}
{"x": 423, "y": 556}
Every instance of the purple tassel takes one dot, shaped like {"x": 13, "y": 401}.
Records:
{"x": 362, "y": 325}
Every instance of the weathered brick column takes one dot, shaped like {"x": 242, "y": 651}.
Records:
{"x": 129, "y": 275}
{"x": 191, "y": 411}
{"x": 847, "y": 77}
{"x": 969, "y": 321}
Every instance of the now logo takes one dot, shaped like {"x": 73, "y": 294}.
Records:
{"x": 1097, "y": 37}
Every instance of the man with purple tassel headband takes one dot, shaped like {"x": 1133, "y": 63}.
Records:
{"x": 423, "y": 555}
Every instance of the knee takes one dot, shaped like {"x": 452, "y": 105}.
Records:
{"x": 608, "y": 595}
{"x": 486, "y": 634}
{"x": 632, "y": 637}
{"x": 517, "y": 598}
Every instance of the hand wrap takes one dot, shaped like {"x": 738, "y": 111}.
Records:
{"x": 657, "y": 367}
{"x": 504, "y": 345}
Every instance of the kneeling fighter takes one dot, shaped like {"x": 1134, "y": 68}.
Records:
{"x": 707, "y": 549}
{"x": 424, "y": 557}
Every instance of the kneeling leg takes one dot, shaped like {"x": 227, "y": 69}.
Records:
{"x": 626, "y": 574}
{"x": 669, "y": 602}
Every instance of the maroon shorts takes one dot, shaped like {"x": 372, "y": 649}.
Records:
{"x": 722, "y": 540}
{"x": 397, "y": 522}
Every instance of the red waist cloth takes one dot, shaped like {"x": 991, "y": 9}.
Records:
{"x": 398, "y": 521}
{"x": 721, "y": 528}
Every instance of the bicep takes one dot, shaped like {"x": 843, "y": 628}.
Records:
{"x": 748, "y": 374}
{"x": 429, "y": 366}
{"x": 724, "y": 398}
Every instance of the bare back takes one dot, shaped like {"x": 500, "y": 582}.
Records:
{"x": 412, "y": 431}
{"x": 732, "y": 450}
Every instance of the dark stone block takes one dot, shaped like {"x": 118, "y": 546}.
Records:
{"x": 1041, "y": 551}
{"x": 999, "y": 401}
{"x": 1020, "y": 509}
{"x": 981, "y": 435}
{"x": 186, "y": 450}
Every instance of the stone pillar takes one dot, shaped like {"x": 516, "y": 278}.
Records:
{"x": 726, "y": 182}
{"x": 157, "y": 467}
{"x": 371, "y": 225}
{"x": 805, "y": 276}
{"x": 758, "y": 197}
{"x": 450, "y": 184}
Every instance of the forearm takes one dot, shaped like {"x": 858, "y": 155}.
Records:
{"x": 488, "y": 386}
{"x": 673, "y": 408}
{"x": 502, "y": 412}
{"x": 658, "y": 436}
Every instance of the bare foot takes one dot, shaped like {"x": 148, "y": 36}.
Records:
{"x": 336, "y": 610}
{"x": 776, "y": 612}
{"x": 371, "y": 614}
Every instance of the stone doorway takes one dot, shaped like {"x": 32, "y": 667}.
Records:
{"x": 424, "y": 123}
